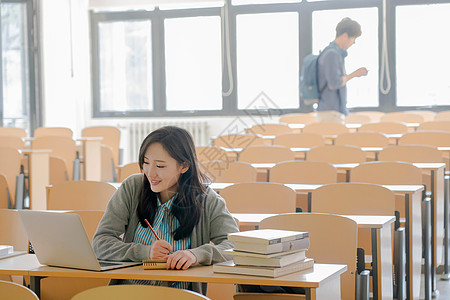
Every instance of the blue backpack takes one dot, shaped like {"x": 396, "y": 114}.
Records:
{"x": 309, "y": 81}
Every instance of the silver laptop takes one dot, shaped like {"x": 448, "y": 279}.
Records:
{"x": 59, "y": 239}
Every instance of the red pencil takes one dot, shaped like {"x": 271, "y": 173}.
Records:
{"x": 151, "y": 228}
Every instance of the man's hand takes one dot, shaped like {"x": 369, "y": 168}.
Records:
{"x": 361, "y": 72}
{"x": 181, "y": 260}
{"x": 160, "y": 250}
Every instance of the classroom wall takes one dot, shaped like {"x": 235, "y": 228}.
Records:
{"x": 66, "y": 75}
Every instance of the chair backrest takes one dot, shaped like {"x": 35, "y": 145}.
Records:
{"x": 375, "y": 116}
{"x": 385, "y": 127}
{"x": 137, "y": 292}
{"x": 442, "y": 116}
{"x": 90, "y": 219}
{"x": 79, "y": 195}
{"x": 111, "y": 138}
{"x": 298, "y": 119}
{"x": 333, "y": 240}
{"x": 12, "y": 231}
{"x": 10, "y": 167}
{"x": 259, "y": 197}
{"x": 305, "y": 172}
{"x": 337, "y": 154}
{"x": 61, "y": 146}
{"x": 12, "y": 290}
{"x": 127, "y": 170}
{"x": 238, "y": 140}
{"x": 427, "y": 115}
{"x": 266, "y": 154}
{"x": 10, "y": 131}
{"x": 58, "y": 170}
{"x": 402, "y": 117}
{"x": 225, "y": 171}
{"x": 302, "y": 140}
{"x": 325, "y": 128}
{"x": 108, "y": 165}
{"x": 353, "y": 199}
{"x": 435, "y": 125}
{"x": 411, "y": 153}
{"x": 432, "y": 138}
{"x": 11, "y": 141}
{"x": 354, "y": 118}
{"x": 269, "y": 129}
{"x": 53, "y": 131}
{"x": 386, "y": 172}
{"x": 4, "y": 192}
{"x": 362, "y": 139}
{"x": 210, "y": 153}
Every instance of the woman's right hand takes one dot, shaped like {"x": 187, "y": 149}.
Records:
{"x": 160, "y": 250}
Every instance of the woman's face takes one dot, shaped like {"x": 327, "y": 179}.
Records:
{"x": 162, "y": 171}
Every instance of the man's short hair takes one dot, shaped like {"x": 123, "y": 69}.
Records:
{"x": 349, "y": 26}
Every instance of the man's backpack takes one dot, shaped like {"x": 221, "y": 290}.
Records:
{"x": 309, "y": 81}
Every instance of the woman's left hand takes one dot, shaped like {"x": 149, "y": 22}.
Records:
{"x": 181, "y": 260}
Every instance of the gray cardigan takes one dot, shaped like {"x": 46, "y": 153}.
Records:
{"x": 121, "y": 218}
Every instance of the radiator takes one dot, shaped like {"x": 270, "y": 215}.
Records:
{"x": 137, "y": 131}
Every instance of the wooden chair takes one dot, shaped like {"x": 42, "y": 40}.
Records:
{"x": 386, "y": 172}
{"x": 326, "y": 232}
{"x": 211, "y": 153}
{"x": 300, "y": 140}
{"x": 432, "y": 138}
{"x": 66, "y": 288}
{"x": 266, "y": 154}
{"x": 427, "y": 115}
{"x": 259, "y": 197}
{"x": 304, "y": 172}
{"x": 14, "y": 142}
{"x": 79, "y": 195}
{"x": 435, "y": 125}
{"x": 442, "y": 116}
{"x": 224, "y": 171}
{"x": 402, "y": 117}
{"x": 298, "y": 119}
{"x": 5, "y": 196}
{"x": 61, "y": 146}
{"x": 10, "y": 131}
{"x": 53, "y": 131}
{"x": 238, "y": 140}
{"x": 411, "y": 153}
{"x": 58, "y": 170}
{"x": 11, "y": 290}
{"x": 362, "y": 139}
{"x": 337, "y": 154}
{"x": 137, "y": 292}
{"x": 108, "y": 169}
{"x": 110, "y": 135}
{"x": 325, "y": 129}
{"x": 269, "y": 129}
{"x": 12, "y": 233}
{"x": 385, "y": 127}
{"x": 10, "y": 167}
{"x": 126, "y": 170}
{"x": 354, "y": 118}
{"x": 375, "y": 116}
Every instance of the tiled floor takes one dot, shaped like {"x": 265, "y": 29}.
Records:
{"x": 442, "y": 286}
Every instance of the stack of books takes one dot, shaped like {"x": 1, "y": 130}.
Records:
{"x": 267, "y": 252}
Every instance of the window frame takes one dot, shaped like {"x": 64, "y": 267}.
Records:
{"x": 304, "y": 9}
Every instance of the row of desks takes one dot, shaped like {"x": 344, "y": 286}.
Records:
{"x": 321, "y": 283}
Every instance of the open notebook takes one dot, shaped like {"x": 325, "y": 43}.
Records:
{"x": 59, "y": 239}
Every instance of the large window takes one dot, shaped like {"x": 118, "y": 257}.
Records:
{"x": 360, "y": 91}
{"x": 267, "y": 58}
{"x": 15, "y": 65}
{"x": 423, "y": 58}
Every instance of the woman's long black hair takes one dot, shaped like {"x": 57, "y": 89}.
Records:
{"x": 187, "y": 206}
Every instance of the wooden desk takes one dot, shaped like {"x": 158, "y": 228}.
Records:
{"x": 381, "y": 247}
{"x": 19, "y": 265}
{"x": 321, "y": 283}
{"x": 38, "y": 176}
{"x": 92, "y": 158}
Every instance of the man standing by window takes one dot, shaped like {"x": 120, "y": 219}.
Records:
{"x": 332, "y": 75}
